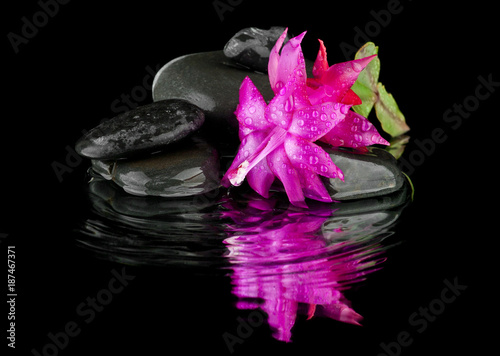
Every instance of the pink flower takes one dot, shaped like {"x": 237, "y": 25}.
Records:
{"x": 277, "y": 139}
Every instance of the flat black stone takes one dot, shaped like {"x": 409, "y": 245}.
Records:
{"x": 252, "y": 46}
{"x": 210, "y": 81}
{"x": 145, "y": 129}
{"x": 366, "y": 175}
{"x": 187, "y": 169}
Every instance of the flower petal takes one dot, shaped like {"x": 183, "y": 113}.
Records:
{"x": 354, "y": 131}
{"x": 320, "y": 64}
{"x": 291, "y": 62}
{"x": 283, "y": 169}
{"x": 251, "y": 109}
{"x": 313, "y": 187}
{"x": 307, "y": 155}
{"x": 315, "y": 121}
{"x": 274, "y": 58}
{"x": 340, "y": 77}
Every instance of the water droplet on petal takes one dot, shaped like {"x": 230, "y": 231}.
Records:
{"x": 357, "y": 67}
{"x": 314, "y": 128}
{"x": 315, "y": 113}
{"x": 289, "y": 104}
{"x": 300, "y": 123}
{"x": 323, "y": 117}
{"x": 344, "y": 109}
{"x": 323, "y": 168}
{"x": 366, "y": 125}
{"x": 313, "y": 159}
{"x": 358, "y": 137}
{"x": 354, "y": 128}
{"x": 251, "y": 109}
{"x": 248, "y": 121}
{"x": 333, "y": 116}
{"x": 282, "y": 91}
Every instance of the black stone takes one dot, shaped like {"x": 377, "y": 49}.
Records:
{"x": 252, "y": 46}
{"x": 365, "y": 174}
{"x": 145, "y": 129}
{"x": 210, "y": 81}
{"x": 187, "y": 169}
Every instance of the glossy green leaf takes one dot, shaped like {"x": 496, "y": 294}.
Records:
{"x": 391, "y": 118}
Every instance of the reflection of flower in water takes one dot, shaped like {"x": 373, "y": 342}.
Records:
{"x": 283, "y": 263}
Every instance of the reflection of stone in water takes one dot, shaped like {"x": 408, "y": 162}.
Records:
{"x": 307, "y": 258}
{"x": 151, "y": 230}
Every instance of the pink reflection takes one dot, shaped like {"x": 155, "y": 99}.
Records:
{"x": 282, "y": 263}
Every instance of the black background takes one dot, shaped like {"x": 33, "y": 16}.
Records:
{"x": 65, "y": 79}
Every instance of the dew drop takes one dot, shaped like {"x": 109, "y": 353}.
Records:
{"x": 333, "y": 116}
{"x": 323, "y": 117}
{"x": 282, "y": 91}
{"x": 366, "y": 125}
{"x": 358, "y": 137}
{"x": 357, "y": 67}
{"x": 354, "y": 128}
{"x": 313, "y": 159}
{"x": 314, "y": 128}
{"x": 248, "y": 121}
{"x": 315, "y": 113}
{"x": 323, "y": 168}
{"x": 251, "y": 109}
{"x": 300, "y": 122}
{"x": 344, "y": 109}
{"x": 283, "y": 123}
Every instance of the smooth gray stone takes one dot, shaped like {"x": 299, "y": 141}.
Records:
{"x": 185, "y": 170}
{"x": 210, "y": 81}
{"x": 365, "y": 174}
{"x": 252, "y": 46}
{"x": 145, "y": 129}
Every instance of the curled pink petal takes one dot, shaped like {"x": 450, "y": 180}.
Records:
{"x": 354, "y": 131}
{"x": 321, "y": 63}
{"x": 274, "y": 58}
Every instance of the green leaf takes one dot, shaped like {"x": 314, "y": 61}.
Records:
{"x": 398, "y": 145}
{"x": 392, "y": 119}
{"x": 366, "y": 84}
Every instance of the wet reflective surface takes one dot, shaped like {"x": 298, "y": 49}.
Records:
{"x": 281, "y": 260}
